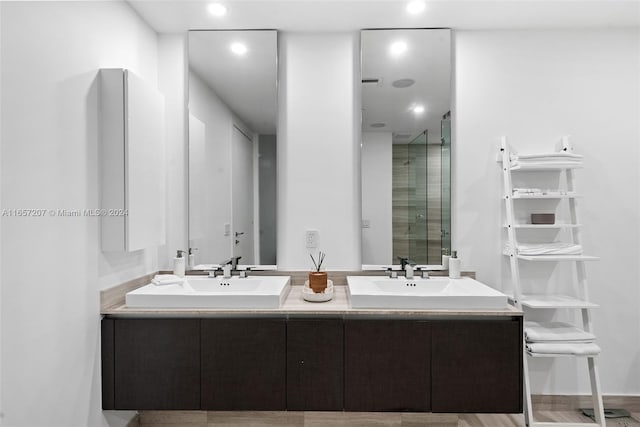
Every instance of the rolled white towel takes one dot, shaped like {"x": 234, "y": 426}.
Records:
{"x": 578, "y": 349}
{"x": 555, "y": 331}
{"x": 554, "y": 248}
{"x": 167, "y": 279}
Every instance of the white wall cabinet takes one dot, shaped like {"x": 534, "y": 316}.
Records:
{"x": 133, "y": 162}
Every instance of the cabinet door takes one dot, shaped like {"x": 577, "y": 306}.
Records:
{"x": 243, "y": 364}
{"x": 315, "y": 365}
{"x": 156, "y": 363}
{"x": 132, "y": 144}
{"x": 387, "y": 365}
{"x": 477, "y": 366}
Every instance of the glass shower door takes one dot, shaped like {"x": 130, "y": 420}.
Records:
{"x": 417, "y": 195}
{"x": 445, "y": 128}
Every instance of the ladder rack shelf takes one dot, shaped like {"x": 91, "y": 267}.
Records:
{"x": 554, "y": 258}
{"x": 543, "y": 226}
{"x": 547, "y": 301}
{"x": 544, "y": 196}
{"x": 563, "y": 161}
{"x": 546, "y": 168}
{"x": 535, "y": 355}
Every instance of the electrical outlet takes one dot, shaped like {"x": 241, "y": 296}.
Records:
{"x": 311, "y": 238}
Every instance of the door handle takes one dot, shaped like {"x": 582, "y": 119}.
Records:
{"x": 239, "y": 233}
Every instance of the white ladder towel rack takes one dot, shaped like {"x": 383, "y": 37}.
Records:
{"x": 546, "y": 301}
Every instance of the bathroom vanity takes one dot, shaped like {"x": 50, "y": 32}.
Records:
{"x": 311, "y": 356}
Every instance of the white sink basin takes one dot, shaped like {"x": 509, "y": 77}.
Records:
{"x": 205, "y": 292}
{"x": 434, "y": 293}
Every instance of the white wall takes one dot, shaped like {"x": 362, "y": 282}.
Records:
{"x": 377, "y": 179}
{"x": 318, "y": 149}
{"x": 534, "y": 87}
{"x": 53, "y": 268}
{"x": 1, "y": 235}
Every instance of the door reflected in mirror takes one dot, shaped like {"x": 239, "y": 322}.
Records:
{"x": 406, "y": 146}
{"x": 232, "y": 146}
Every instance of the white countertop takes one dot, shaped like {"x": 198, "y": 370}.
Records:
{"x": 295, "y": 306}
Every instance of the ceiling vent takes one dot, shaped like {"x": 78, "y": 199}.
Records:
{"x": 372, "y": 81}
{"x": 402, "y": 83}
{"x": 401, "y": 138}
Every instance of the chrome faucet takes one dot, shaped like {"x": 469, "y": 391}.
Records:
{"x": 233, "y": 261}
{"x": 404, "y": 261}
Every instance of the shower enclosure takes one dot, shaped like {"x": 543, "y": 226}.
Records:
{"x": 421, "y": 205}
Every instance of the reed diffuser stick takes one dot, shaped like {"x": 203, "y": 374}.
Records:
{"x": 318, "y": 264}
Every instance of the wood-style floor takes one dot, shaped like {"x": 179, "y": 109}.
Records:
{"x": 363, "y": 419}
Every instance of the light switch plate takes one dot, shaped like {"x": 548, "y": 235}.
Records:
{"x": 311, "y": 238}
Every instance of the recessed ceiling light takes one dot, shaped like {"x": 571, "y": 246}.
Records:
{"x": 378, "y": 125}
{"x": 398, "y": 48}
{"x": 238, "y": 48}
{"x": 418, "y": 109}
{"x": 415, "y": 7}
{"x": 217, "y": 9}
{"x": 403, "y": 83}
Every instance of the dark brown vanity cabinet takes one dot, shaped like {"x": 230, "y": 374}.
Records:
{"x": 387, "y": 365}
{"x": 151, "y": 363}
{"x": 476, "y": 366}
{"x": 243, "y": 364}
{"x": 455, "y": 364}
{"x": 315, "y": 364}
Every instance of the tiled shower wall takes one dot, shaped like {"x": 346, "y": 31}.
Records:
{"x": 417, "y": 211}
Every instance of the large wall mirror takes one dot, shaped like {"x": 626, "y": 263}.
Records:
{"x": 232, "y": 146}
{"x": 406, "y": 146}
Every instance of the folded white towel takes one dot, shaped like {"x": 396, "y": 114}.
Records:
{"x": 167, "y": 279}
{"x": 553, "y": 248}
{"x": 555, "y": 159}
{"x": 578, "y": 349}
{"x": 555, "y": 331}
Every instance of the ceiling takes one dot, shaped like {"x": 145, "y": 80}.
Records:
{"x": 426, "y": 61}
{"x": 250, "y": 91}
{"x": 171, "y": 16}
{"x": 245, "y": 83}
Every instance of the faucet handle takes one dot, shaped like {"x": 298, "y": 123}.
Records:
{"x": 422, "y": 273}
